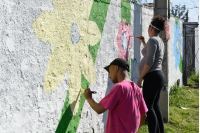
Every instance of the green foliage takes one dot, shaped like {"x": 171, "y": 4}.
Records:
{"x": 185, "y": 120}
{"x": 194, "y": 78}
{"x": 174, "y": 95}
{"x": 190, "y": 82}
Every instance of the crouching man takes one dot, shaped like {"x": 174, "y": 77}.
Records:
{"x": 127, "y": 109}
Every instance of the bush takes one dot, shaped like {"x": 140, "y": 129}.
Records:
{"x": 194, "y": 78}
{"x": 190, "y": 82}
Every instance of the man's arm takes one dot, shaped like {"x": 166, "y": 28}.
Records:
{"x": 142, "y": 119}
{"x": 95, "y": 106}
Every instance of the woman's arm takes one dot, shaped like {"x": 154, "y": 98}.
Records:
{"x": 142, "y": 40}
{"x": 143, "y": 73}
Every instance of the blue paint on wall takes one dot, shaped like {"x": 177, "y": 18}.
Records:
{"x": 75, "y": 37}
{"x": 177, "y": 44}
{"x": 134, "y": 62}
{"x": 135, "y": 68}
{"x": 124, "y": 37}
{"x": 42, "y": 41}
{"x": 28, "y": 31}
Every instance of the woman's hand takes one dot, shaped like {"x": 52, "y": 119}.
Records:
{"x": 145, "y": 69}
{"x": 139, "y": 82}
{"x": 142, "y": 40}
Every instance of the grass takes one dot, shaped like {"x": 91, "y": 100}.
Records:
{"x": 194, "y": 79}
{"x": 181, "y": 120}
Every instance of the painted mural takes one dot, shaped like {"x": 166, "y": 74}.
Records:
{"x": 177, "y": 45}
{"x": 124, "y": 40}
{"x": 75, "y": 41}
{"x": 72, "y": 35}
{"x": 57, "y": 47}
{"x": 69, "y": 31}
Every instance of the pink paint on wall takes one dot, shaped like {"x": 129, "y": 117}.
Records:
{"x": 167, "y": 30}
{"x": 124, "y": 40}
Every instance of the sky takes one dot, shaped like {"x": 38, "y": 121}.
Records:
{"x": 193, "y": 12}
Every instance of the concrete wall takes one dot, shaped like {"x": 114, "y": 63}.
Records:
{"x": 50, "y": 49}
{"x": 141, "y": 21}
{"x": 175, "y": 52}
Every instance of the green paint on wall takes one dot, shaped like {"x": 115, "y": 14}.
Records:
{"x": 126, "y": 12}
{"x": 66, "y": 117}
{"x": 181, "y": 64}
{"x": 69, "y": 123}
{"x": 98, "y": 14}
{"x": 176, "y": 21}
{"x": 94, "y": 50}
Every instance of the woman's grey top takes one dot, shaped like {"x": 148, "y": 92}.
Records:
{"x": 153, "y": 53}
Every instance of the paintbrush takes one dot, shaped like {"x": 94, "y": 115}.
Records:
{"x": 132, "y": 36}
{"x": 136, "y": 37}
{"x": 83, "y": 90}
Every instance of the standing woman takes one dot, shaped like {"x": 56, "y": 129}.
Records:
{"x": 150, "y": 69}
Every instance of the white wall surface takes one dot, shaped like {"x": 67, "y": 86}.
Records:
{"x": 25, "y": 106}
{"x": 174, "y": 72}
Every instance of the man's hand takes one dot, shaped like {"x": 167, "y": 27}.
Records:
{"x": 142, "y": 119}
{"x": 95, "y": 106}
{"x": 88, "y": 94}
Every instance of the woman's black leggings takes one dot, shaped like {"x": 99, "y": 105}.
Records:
{"x": 152, "y": 85}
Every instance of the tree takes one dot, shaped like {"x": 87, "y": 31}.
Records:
{"x": 181, "y": 12}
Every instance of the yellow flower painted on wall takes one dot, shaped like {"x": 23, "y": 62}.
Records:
{"x": 70, "y": 33}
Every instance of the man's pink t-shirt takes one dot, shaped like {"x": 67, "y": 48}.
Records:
{"x": 125, "y": 104}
